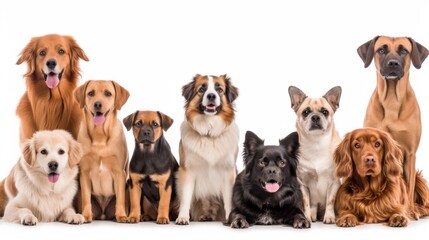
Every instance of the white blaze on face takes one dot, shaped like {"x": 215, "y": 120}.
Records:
{"x": 208, "y": 101}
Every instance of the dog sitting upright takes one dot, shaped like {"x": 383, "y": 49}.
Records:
{"x": 152, "y": 168}
{"x": 318, "y": 139}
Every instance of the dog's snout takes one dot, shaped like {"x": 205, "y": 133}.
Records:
{"x": 51, "y": 64}
{"x": 53, "y": 166}
{"x": 147, "y": 132}
{"x": 271, "y": 170}
{"x": 98, "y": 105}
{"x": 393, "y": 63}
{"x": 369, "y": 160}
{"x": 211, "y": 96}
{"x": 315, "y": 118}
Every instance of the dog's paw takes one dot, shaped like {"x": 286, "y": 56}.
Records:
{"x": 328, "y": 219}
{"x": 163, "y": 220}
{"x": 87, "y": 216}
{"x": 397, "y": 220}
{"x": 347, "y": 221}
{"x": 239, "y": 223}
{"x": 205, "y": 218}
{"x": 182, "y": 221}
{"x": 301, "y": 222}
{"x": 121, "y": 219}
{"x": 145, "y": 218}
{"x": 74, "y": 219}
{"x": 134, "y": 219}
{"x": 29, "y": 220}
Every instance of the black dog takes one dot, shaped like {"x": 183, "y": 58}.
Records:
{"x": 267, "y": 191}
{"x": 152, "y": 169}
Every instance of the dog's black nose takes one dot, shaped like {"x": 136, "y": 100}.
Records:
{"x": 97, "y": 105}
{"x": 53, "y": 166}
{"x": 51, "y": 63}
{"x": 272, "y": 170}
{"x": 315, "y": 118}
{"x": 393, "y": 63}
{"x": 211, "y": 96}
{"x": 370, "y": 160}
{"x": 147, "y": 133}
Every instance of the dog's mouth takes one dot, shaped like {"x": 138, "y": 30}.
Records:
{"x": 52, "y": 79}
{"x": 271, "y": 186}
{"x": 53, "y": 177}
{"x": 316, "y": 126}
{"x": 392, "y": 76}
{"x": 146, "y": 142}
{"x": 210, "y": 108}
{"x": 99, "y": 117}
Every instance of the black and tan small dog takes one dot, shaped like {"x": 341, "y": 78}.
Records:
{"x": 152, "y": 169}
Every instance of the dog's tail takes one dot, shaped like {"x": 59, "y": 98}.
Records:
{"x": 3, "y": 198}
{"x": 421, "y": 199}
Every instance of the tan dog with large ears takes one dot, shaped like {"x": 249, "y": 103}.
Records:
{"x": 393, "y": 106}
{"x": 104, "y": 165}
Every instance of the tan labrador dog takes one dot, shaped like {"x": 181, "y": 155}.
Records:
{"x": 393, "y": 106}
{"x": 103, "y": 168}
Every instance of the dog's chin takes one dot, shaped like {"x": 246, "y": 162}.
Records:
{"x": 53, "y": 177}
{"x": 271, "y": 186}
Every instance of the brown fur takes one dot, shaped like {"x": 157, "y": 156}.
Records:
{"x": 103, "y": 168}
{"x": 393, "y": 106}
{"x": 42, "y": 108}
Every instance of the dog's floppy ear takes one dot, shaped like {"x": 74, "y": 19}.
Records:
{"x": 297, "y": 97}
{"x": 333, "y": 97}
{"x": 166, "y": 121}
{"x": 393, "y": 158}
{"x": 121, "y": 95}
{"x": 366, "y": 51}
{"x": 28, "y": 151}
{"x": 251, "y": 142}
{"x": 418, "y": 53}
{"x": 128, "y": 121}
{"x": 80, "y": 94}
{"x": 75, "y": 152}
{"x": 291, "y": 144}
{"x": 188, "y": 90}
{"x": 231, "y": 91}
{"x": 28, "y": 54}
{"x": 343, "y": 158}
{"x": 76, "y": 52}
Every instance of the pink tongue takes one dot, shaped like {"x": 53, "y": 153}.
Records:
{"x": 53, "y": 177}
{"x": 98, "y": 120}
{"x": 52, "y": 80}
{"x": 211, "y": 107}
{"x": 272, "y": 187}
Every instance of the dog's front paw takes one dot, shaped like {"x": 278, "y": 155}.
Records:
{"x": 182, "y": 221}
{"x": 205, "y": 218}
{"x": 348, "y": 220}
{"x": 29, "y": 220}
{"x": 329, "y": 219}
{"x": 397, "y": 220}
{"x": 163, "y": 220}
{"x": 301, "y": 222}
{"x": 121, "y": 219}
{"x": 87, "y": 216}
{"x": 74, "y": 219}
{"x": 134, "y": 218}
{"x": 239, "y": 223}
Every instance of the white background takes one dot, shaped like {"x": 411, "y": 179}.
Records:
{"x": 153, "y": 48}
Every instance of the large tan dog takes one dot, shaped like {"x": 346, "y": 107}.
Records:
{"x": 52, "y": 76}
{"x": 393, "y": 106}
{"x": 103, "y": 168}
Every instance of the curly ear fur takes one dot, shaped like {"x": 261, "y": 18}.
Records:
{"x": 343, "y": 158}
{"x": 393, "y": 158}
{"x": 28, "y": 54}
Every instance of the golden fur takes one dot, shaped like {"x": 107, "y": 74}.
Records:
{"x": 44, "y": 108}
{"x": 103, "y": 168}
{"x": 29, "y": 191}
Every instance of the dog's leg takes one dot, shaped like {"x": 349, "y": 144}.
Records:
{"x": 164, "y": 201}
{"x": 187, "y": 182}
{"x": 71, "y": 217}
{"x": 14, "y": 213}
{"x": 135, "y": 198}
{"x": 119, "y": 186}
{"x": 306, "y": 202}
{"x": 227, "y": 193}
{"x": 329, "y": 217}
{"x": 410, "y": 178}
{"x": 85, "y": 190}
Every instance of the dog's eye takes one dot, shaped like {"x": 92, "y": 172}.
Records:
{"x": 261, "y": 163}
{"x": 357, "y": 145}
{"x": 325, "y": 112}
{"x": 44, "y": 152}
{"x": 306, "y": 112}
{"x": 282, "y": 163}
{"x": 61, "y": 52}
{"x": 61, "y": 152}
{"x": 381, "y": 51}
{"x": 91, "y": 93}
{"x": 218, "y": 88}
{"x": 202, "y": 89}
{"x": 107, "y": 94}
{"x": 377, "y": 144}
{"x": 403, "y": 51}
{"x": 155, "y": 124}
{"x": 42, "y": 53}
{"x": 139, "y": 124}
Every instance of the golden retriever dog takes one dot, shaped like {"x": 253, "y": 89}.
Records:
{"x": 52, "y": 76}
{"x": 42, "y": 185}
{"x": 370, "y": 161}
{"x": 208, "y": 150}
{"x": 104, "y": 165}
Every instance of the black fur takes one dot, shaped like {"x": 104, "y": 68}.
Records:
{"x": 252, "y": 203}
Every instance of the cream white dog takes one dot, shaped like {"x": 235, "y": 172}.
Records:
{"x": 318, "y": 139}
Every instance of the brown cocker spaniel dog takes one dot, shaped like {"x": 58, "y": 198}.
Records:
{"x": 373, "y": 190}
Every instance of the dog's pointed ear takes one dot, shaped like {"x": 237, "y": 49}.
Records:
{"x": 75, "y": 152}
{"x": 28, "y": 151}
{"x": 231, "y": 91}
{"x": 28, "y": 54}
{"x": 343, "y": 159}
{"x": 80, "y": 94}
{"x": 393, "y": 158}
{"x": 188, "y": 90}
{"x": 121, "y": 95}
{"x": 366, "y": 51}
{"x": 297, "y": 97}
{"x": 166, "y": 121}
{"x": 418, "y": 53}
{"x": 333, "y": 97}
{"x": 291, "y": 144}
{"x": 129, "y": 120}
{"x": 251, "y": 142}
